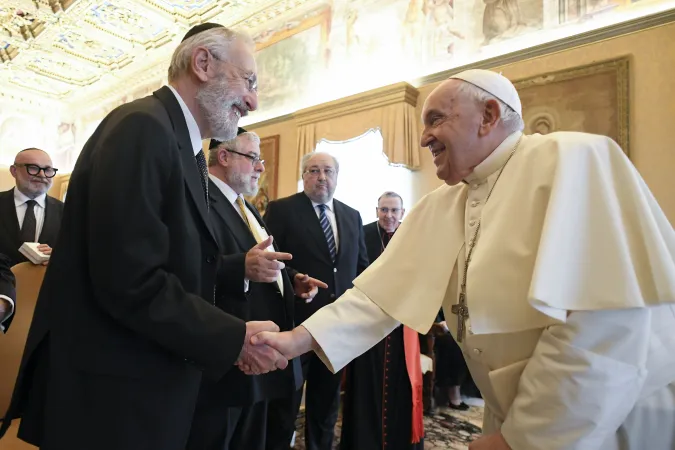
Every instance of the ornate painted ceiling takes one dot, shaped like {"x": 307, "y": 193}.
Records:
{"x": 78, "y": 52}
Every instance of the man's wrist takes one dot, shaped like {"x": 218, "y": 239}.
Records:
{"x": 305, "y": 342}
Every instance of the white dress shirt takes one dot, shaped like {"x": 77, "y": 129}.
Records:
{"x": 193, "y": 128}
{"x": 20, "y": 200}
{"x": 330, "y": 214}
{"x": 20, "y": 203}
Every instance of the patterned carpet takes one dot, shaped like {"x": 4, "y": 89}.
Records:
{"x": 445, "y": 430}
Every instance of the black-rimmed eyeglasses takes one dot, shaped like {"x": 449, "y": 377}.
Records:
{"x": 254, "y": 159}
{"x": 34, "y": 170}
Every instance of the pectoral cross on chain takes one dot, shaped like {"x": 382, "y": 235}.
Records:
{"x": 461, "y": 309}
{"x": 462, "y": 312}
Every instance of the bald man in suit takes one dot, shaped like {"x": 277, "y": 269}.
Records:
{"x": 27, "y": 213}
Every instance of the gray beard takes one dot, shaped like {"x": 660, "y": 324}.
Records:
{"x": 240, "y": 183}
{"x": 216, "y": 109}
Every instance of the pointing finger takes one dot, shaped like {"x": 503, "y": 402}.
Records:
{"x": 280, "y": 256}
{"x": 319, "y": 283}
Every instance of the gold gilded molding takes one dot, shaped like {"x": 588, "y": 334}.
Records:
{"x": 322, "y": 18}
{"x": 376, "y": 98}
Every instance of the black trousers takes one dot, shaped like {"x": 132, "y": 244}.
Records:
{"x": 229, "y": 428}
{"x": 322, "y": 401}
{"x": 451, "y": 369}
{"x": 281, "y": 417}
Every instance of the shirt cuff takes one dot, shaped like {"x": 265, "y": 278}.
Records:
{"x": 347, "y": 328}
{"x": 7, "y": 314}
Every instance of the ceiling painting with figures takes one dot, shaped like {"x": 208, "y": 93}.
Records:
{"x": 66, "y": 63}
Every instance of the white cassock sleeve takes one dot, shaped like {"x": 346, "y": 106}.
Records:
{"x": 347, "y": 328}
{"x": 583, "y": 379}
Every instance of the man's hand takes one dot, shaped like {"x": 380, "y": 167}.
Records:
{"x": 46, "y": 249}
{"x": 307, "y": 287}
{"x": 258, "y": 359}
{"x": 494, "y": 441}
{"x": 290, "y": 344}
{"x": 263, "y": 266}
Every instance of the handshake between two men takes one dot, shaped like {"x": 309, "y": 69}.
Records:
{"x": 263, "y": 351}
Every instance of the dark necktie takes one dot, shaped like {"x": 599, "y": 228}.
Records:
{"x": 29, "y": 223}
{"x": 201, "y": 164}
{"x": 327, "y": 231}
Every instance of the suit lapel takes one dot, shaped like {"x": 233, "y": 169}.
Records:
{"x": 340, "y": 219}
{"x": 51, "y": 222}
{"x": 191, "y": 173}
{"x": 309, "y": 218}
{"x": 8, "y": 209}
{"x": 222, "y": 206}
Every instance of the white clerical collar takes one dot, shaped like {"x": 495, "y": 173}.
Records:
{"x": 193, "y": 128}
{"x": 495, "y": 160}
{"x": 225, "y": 188}
{"x": 329, "y": 204}
{"x": 20, "y": 198}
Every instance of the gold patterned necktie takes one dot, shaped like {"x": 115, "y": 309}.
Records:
{"x": 253, "y": 230}
{"x": 242, "y": 209}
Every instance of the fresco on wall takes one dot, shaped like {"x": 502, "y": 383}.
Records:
{"x": 575, "y": 10}
{"x": 349, "y": 46}
{"x": 292, "y": 56}
{"x": 505, "y": 19}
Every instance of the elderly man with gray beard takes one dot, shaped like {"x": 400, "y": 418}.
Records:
{"x": 232, "y": 413}
{"x": 126, "y": 325}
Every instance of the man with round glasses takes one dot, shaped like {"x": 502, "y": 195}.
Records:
{"x": 27, "y": 213}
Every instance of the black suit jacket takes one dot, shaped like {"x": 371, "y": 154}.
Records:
{"x": 262, "y": 301}
{"x": 7, "y": 284}
{"x": 373, "y": 241}
{"x": 295, "y": 226}
{"x": 10, "y": 230}
{"x": 125, "y": 322}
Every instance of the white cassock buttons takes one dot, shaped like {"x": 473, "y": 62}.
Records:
{"x": 335, "y": 269}
{"x": 472, "y": 223}
{"x": 474, "y": 203}
{"x": 474, "y": 186}
{"x": 477, "y": 351}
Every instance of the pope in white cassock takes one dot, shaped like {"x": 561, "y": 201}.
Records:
{"x": 554, "y": 265}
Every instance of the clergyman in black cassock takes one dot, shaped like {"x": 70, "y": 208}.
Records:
{"x": 380, "y": 410}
